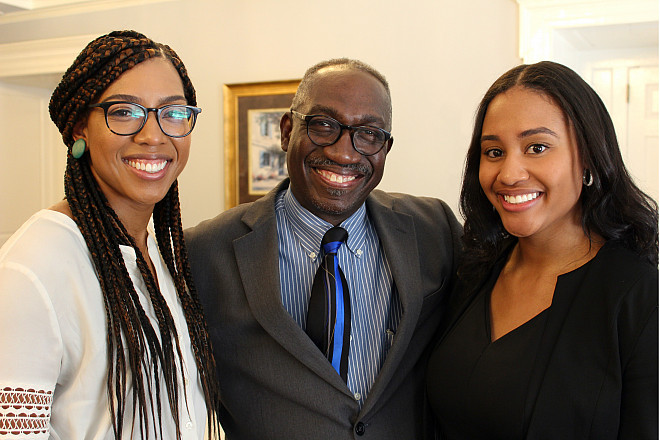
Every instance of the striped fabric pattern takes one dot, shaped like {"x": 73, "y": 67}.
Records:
{"x": 376, "y": 309}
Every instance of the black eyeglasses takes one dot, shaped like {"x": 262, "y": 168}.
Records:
{"x": 127, "y": 118}
{"x": 324, "y": 131}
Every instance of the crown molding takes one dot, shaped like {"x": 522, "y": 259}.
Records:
{"x": 38, "y": 57}
{"x": 82, "y": 7}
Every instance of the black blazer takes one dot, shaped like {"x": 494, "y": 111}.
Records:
{"x": 275, "y": 383}
{"x": 596, "y": 375}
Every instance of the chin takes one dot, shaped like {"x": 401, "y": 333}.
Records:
{"x": 518, "y": 231}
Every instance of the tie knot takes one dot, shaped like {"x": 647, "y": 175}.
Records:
{"x": 333, "y": 239}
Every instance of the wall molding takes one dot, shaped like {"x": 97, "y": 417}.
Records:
{"x": 82, "y": 7}
{"x": 38, "y": 57}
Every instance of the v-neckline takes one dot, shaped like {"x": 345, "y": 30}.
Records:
{"x": 488, "y": 321}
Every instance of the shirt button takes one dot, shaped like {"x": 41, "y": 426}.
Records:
{"x": 359, "y": 428}
{"x": 312, "y": 255}
{"x": 189, "y": 424}
{"x": 357, "y": 396}
{"x": 359, "y": 252}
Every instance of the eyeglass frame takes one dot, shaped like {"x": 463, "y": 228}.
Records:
{"x": 351, "y": 129}
{"x": 106, "y": 105}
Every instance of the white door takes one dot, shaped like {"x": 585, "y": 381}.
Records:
{"x": 630, "y": 93}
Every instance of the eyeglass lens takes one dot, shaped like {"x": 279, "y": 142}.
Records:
{"x": 324, "y": 131}
{"x": 128, "y": 118}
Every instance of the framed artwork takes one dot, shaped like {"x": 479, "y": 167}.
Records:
{"x": 254, "y": 159}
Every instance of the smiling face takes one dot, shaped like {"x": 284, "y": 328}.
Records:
{"x": 530, "y": 168}
{"x": 135, "y": 172}
{"x": 333, "y": 182}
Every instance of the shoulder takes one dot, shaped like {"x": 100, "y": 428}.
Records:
{"x": 236, "y": 221}
{"x": 617, "y": 280}
{"x": 422, "y": 208}
{"x": 619, "y": 266}
{"x": 431, "y": 217}
{"x": 48, "y": 262}
{"x": 217, "y": 226}
{"x": 44, "y": 239}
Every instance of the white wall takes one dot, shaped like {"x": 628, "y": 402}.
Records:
{"x": 439, "y": 56}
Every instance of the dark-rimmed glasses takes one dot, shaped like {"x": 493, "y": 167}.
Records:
{"x": 324, "y": 131}
{"x": 127, "y": 118}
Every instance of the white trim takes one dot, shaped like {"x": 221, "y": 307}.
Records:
{"x": 23, "y": 4}
{"x": 37, "y": 57}
{"x": 538, "y": 19}
{"x": 81, "y": 7}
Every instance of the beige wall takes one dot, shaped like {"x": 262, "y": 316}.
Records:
{"x": 438, "y": 55}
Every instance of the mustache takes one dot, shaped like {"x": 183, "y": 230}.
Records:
{"x": 356, "y": 167}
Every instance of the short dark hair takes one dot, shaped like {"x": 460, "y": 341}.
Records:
{"x": 613, "y": 207}
{"x": 307, "y": 80}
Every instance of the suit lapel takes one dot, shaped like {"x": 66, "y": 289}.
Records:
{"x": 396, "y": 232}
{"x": 257, "y": 259}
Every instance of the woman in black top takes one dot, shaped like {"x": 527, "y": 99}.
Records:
{"x": 554, "y": 332}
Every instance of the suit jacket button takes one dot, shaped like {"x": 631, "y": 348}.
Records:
{"x": 359, "y": 428}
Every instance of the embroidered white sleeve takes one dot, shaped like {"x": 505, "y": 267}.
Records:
{"x": 25, "y": 413}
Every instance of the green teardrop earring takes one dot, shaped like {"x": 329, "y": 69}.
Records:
{"x": 78, "y": 148}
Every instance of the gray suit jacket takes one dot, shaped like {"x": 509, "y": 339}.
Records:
{"x": 275, "y": 383}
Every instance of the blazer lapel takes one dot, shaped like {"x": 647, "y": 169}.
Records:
{"x": 569, "y": 335}
{"x": 257, "y": 259}
{"x": 397, "y": 236}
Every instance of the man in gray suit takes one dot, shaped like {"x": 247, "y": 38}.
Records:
{"x": 254, "y": 266}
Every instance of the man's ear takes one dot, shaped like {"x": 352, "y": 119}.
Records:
{"x": 285, "y": 130}
{"x": 388, "y": 147}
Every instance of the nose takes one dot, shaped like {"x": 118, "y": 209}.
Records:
{"x": 342, "y": 151}
{"x": 150, "y": 134}
{"x": 512, "y": 170}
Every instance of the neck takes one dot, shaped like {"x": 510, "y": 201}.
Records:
{"x": 136, "y": 226}
{"x": 556, "y": 255}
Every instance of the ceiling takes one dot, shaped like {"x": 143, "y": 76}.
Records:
{"x": 604, "y": 37}
{"x": 608, "y": 37}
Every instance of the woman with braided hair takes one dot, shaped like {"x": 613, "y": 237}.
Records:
{"x": 102, "y": 333}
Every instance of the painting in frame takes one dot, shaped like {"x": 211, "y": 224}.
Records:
{"x": 254, "y": 159}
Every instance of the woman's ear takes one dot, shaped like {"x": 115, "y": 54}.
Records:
{"x": 80, "y": 129}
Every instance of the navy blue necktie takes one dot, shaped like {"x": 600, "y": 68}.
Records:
{"x": 329, "y": 312}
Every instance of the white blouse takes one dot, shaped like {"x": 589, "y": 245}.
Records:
{"x": 53, "y": 350}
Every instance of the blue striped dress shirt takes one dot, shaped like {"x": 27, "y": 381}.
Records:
{"x": 375, "y": 306}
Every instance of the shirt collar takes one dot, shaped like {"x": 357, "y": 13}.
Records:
{"x": 309, "y": 229}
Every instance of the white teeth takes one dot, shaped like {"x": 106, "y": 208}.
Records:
{"x": 149, "y": 167}
{"x": 520, "y": 198}
{"x": 336, "y": 177}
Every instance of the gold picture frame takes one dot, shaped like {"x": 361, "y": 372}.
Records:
{"x": 254, "y": 161}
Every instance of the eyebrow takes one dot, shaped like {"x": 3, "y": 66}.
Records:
{"x": 364, "y": 119}
{"x": 524, "y": 134}
{"x": 137, "y": 100}
{"x": 538, "y": 130}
